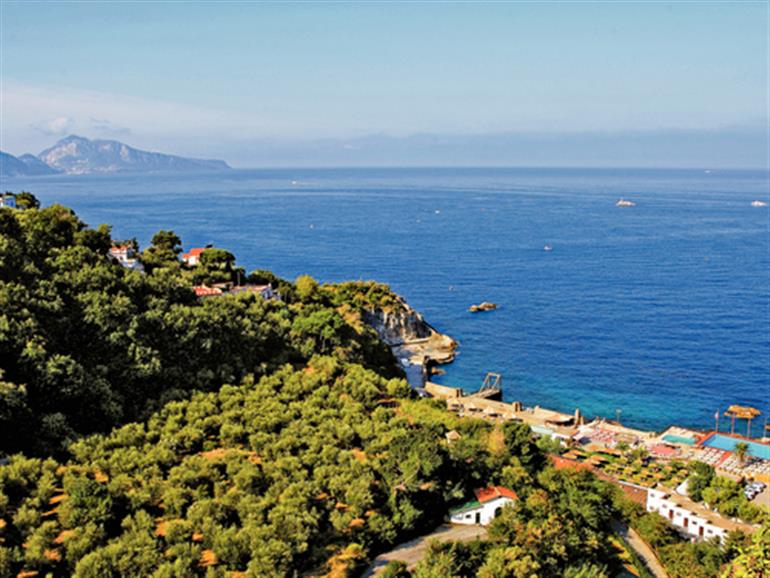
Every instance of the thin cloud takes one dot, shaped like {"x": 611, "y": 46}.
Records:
{"x": 153, "y": 124}
{"x": 59, "y": 126}
{"x": 106, "y": 128}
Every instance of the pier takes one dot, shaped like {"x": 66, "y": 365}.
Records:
{"x": 491, "y": 388}
{"x": 483, "y": 404}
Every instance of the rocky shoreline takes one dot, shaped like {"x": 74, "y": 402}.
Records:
{"x": 415, "y": 343}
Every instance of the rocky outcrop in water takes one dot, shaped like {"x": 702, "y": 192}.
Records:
{"x": 485, "y": 306}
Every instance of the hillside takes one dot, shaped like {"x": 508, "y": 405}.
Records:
{"x": 157, "y": 434}
{"x": 86, "y": 344}
{"x": 25, "y": 165}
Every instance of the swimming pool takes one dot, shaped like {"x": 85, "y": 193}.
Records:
{"x": 727, "y": 443}
{"x": 679, "y": 439}
{"x": 543, "y": 431}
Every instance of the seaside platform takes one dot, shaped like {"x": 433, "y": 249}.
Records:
{"x": 601, "y": 435}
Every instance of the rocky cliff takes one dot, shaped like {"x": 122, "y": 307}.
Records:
{"x": 415, "y": 343}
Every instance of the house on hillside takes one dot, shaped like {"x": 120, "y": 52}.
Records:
{"x": 204, "y": 291}
{"x": 692, "y": 519}
{"x": 125, "y": 254}
{"x": 486, "y": 507}
{"x": 193, "y": 256}
{"x": 264, "y": 291}
{"x": 7, "y": 200}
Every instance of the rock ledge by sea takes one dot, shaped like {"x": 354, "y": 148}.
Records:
{"x": 417, "y": 345}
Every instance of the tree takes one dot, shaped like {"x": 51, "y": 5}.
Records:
{"x": 700, "y": 479}
{"x": 754, "y": 559}
{"x": 167, "y": 241}
{"x": 26, "y": 200}
{"x": 163, "y": 252}
{"x": 520, "y": 442}
{"x": 216, "y": 266}
{"x": 307, "y": 287}
{"x": 741, "y": 452}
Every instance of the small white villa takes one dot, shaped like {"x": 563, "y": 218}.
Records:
{"x": 486, "y": 507}
{"x": 125, "y": 254}
{"x": 7, "y": 200}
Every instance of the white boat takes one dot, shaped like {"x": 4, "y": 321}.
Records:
{"x": 625, "y": 203}
{"x": 758, "y": 204}
{"x": 547, "y": 248}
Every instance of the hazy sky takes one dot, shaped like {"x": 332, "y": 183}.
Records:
{"x": 243, "y": 80}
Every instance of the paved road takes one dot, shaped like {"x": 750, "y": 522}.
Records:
{"x": 763, "y": 498}
{"x": 641, "y": 548}
{"x": 413, "y": 551}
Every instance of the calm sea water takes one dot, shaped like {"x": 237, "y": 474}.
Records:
{"x": 661, "y": 310}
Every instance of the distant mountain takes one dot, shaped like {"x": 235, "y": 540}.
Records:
{"x": 25, "y": 165}
{"x": 11, "y": 166}
{"x": 78, "y": 155}
{"x": 35, "y": 166}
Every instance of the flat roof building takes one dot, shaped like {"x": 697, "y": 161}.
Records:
{"x": 691, "y": 518}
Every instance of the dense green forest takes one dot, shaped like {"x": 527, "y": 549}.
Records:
{"x": 86, "y": 344}
{"x": 155, "y": 434}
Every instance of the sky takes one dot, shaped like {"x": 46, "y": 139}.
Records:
{"x": 389, "y": 83}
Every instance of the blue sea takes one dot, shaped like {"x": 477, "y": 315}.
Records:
{"x": 661, "y": 310}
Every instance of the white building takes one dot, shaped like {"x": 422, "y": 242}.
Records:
{"x": 7, "y": 200}
{"x": 690, "y": 518}
{"x": 488, "y": 504}
{"x": 126, "y": 255}
{"x": 193, "y": 257}
{"x": 264, "y": 291}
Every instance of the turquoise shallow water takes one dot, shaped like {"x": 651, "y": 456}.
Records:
{"x": 660, "y": 310}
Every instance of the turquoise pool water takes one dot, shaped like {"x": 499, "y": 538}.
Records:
{"x": 543, "y": 431}
{"x": 721, "y": 442}
{"x": 679, "y": 439}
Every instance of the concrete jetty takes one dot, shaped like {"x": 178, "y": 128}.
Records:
{"x": 542, "y": 420}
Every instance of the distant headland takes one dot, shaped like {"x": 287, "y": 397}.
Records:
{"x": 76, "y": 155}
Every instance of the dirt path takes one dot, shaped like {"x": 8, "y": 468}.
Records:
{"x": 641, "y": 548}
{"x": 412, "y": 552}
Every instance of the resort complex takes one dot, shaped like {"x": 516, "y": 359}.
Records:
{"x": 652, "y": 468}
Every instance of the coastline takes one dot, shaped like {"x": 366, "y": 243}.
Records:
{"x": 419, "y": 357}
{"x": 417, "y": 346}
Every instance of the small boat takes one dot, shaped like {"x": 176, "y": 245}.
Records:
{"x": 758, "y": 204}
{"x": 547, "y": 248}
{"x": 625, "y": 203}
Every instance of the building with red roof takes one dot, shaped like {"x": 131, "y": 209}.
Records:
{"x": 193, "y": 256}
{"x": 486, "y": 507}
{"x": 125, "y": 254}
{"x": 202, "y": 291}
